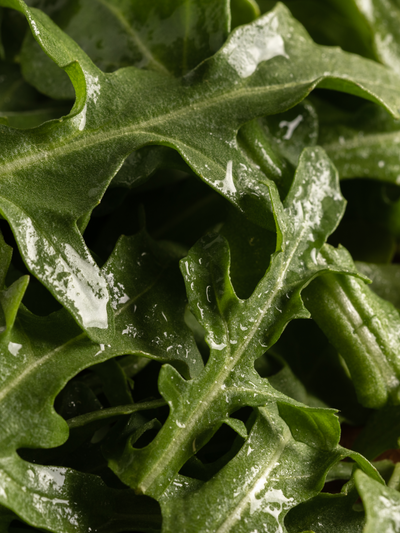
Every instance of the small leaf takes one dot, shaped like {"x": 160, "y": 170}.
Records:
{"x": 382, "y": 504}
{"x": 365, "y": 331}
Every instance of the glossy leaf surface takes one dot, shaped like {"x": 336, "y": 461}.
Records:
{"x": 87, "y": 140}
{"x": 237, "y": 331}
{"x": 357, "y": 321}
{"x": 381, "y": 504}
{"x": 214, "y": 402}
{"x": 259, "y": 486}
{"x": 41, "y": 354}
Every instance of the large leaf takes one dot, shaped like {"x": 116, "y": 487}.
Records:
{"x": 40, "y": 355}
{"x": 237, "y": 331}
{"x": 84, "y": 150}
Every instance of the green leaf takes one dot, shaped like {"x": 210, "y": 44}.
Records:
{"x": 382, "y": 504}
{"x": 365, "y": 331}
{"x": 328, "y": 513}
{"x": 40, "y": 355}
{"x": 332, "y": 23}
{"x": 272, "y": 473}
{"x": 87, "y": 141}
{"x": 15, "y": 93}
{"x": 238, "y": 331}
{"x": 115, "y": 384}
{"x": 318, "y": 366}
{"x": 112, "y": 412}
{"x": 45, "y": 497}
{"x": 382, "y": 432}
{"x": 385, "y": 280}
{"x": 170, "y": 37}
{"x": 383, "y": 17}
{"x": 294, "y": 130}
{"x": 362, "y": 143}
{"x": 6, "y": 517}
{"x": 243, "y": 12}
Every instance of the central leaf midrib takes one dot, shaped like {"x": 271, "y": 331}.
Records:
{"x": 191, "y": 108}
{"x": 94, "y": 139}
{"x": 212, "y": 391}
{"x": 42, "y": 360}
{"x": 235, "y": 514}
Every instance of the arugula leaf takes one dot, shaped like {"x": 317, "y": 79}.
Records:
{"x": 229, "y": 381}
{"x": 269, "y": 476}
{"x": 381, "y": 504}
{"x": 382, "y": 18}
{"x": 45, "y": 156}
{"x": 362, "y": 144}
{"x": 385, "y": 280}
{"x": 328, "y": 513}
{"x": 207, "y": 129}
{"x": 171, "y": 38}
{"x": 364, "y": 329}
{"x": 41, "y": 354}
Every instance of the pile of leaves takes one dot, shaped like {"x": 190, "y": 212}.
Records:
{"x": 189, "y": 337}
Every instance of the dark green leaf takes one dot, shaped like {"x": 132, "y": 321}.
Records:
{"x": 364, "y": 329}
{"x": 41, "y": 354}
{"x": 86, "y": 143}
{"x": 363, "y": 143}
{"x": 238, "y": 331}
{"x": 170, "y": 37}
{"x": 327, "y": 513}
{"x": 385, "y": 280}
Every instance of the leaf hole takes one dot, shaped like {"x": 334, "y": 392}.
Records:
{"x": 268, "y": 365}
{"x": 217, "y": 452}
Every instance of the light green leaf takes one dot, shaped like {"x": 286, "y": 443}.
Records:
{"x": 382, "y": 505}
